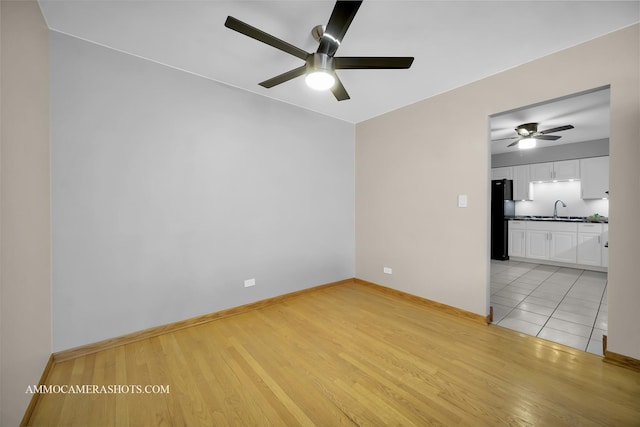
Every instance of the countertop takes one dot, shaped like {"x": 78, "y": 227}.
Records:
{"x": 604, "y": 220}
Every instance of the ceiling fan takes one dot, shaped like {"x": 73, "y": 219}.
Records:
{"x": 320, "y": 66}
{"x": 528, "y": 134}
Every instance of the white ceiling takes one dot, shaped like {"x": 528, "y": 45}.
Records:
{"x": 453, "y": 42}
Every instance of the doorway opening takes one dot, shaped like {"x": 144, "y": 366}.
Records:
{"x": 552, "y": 280}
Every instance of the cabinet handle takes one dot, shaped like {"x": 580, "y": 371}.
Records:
{"x": 599, "y": 240}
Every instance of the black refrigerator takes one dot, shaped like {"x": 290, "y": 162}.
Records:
{"x": 502, "y": 207}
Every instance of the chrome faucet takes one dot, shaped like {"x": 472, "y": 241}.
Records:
{"x": 555, "y": 207}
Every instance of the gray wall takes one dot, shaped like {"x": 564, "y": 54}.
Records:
{"x": 578, "y": 150}
{"x": 169, "y": 190}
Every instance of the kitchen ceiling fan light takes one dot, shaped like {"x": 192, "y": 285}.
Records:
{"x": 527, "y": 143}
{"x": 528, "y": 134}
{"x": 320, "y": 80}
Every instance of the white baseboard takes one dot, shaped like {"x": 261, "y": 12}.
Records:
{"x": 559, "y": 264}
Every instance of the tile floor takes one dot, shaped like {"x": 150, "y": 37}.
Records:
{"x": 563, "y": 305}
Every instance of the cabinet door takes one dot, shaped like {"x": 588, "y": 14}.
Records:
{"x": 541, "y": 171}
{"x": 563, "y": 246}
{"x": 517, "y": 243}
{"x": 521, "y": 183}
{"x": 537, "y": 244}
{"x": 589, "y": 249}
{"x": 566, "y": 169}
{"x": 594, "y": 177}
{"x": 502, "y": 173}
{"x": 604, "y": 241}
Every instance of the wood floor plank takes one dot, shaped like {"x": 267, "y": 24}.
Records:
{"x": 347, "y": 355}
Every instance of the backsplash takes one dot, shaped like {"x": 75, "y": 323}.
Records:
{"x": 545, "y": 194}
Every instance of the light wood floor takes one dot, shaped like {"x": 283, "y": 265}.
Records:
{"x": 342, "y": 356}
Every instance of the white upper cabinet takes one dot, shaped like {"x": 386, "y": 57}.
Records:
{"x": 541, "y": 171}
{"x": 594, "y": 177}
{"x": 502, "y": 173}
{"x": 520, "y": 177}
{"x": 565, "y": 169}
{"x": 521, "y": 183}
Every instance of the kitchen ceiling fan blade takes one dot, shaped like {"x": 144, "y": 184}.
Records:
{"x": 284, "y": 77}
{"x": 371, "y": 62}
{"x": 254, "y": 33}
{"x": 339, "y": 22}
{"x": 558, "y": 129}
{"x": 504, "y": 139}
{"x": 514, "y": 142}
{"x": 547, "y": 137}
{"x": 339, "y": 91}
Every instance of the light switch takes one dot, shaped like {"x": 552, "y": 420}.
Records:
{"x": 462, "y": 200}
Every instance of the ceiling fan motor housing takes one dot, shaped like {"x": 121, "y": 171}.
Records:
{"x": 320, "y": 62}
{"x": 527, "y": 129}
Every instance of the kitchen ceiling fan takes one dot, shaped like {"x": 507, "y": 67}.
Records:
{"x": 320, "y": 66}
{"x": 528, "y": 133}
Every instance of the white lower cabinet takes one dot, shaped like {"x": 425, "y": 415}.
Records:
{"x": 590, "y": 244}
{"x": 565, "y": 242}
{"x": 537, "y": 244}
{"x": 517, "y": 238}
{"x": 589, "y": 249}
{"x": 563, "y": 246}
{"x": 555, "y": 241}
{"x": 605, "y": 245}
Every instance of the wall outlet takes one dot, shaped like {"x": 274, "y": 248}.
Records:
{"x": 387, "y": 270}
{"x": 249, "y": 283}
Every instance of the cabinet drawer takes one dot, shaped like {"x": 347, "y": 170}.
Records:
{"x": 589, "y": 228}
{"x": 552, "y": 226}
{"x": 518, "y": 225}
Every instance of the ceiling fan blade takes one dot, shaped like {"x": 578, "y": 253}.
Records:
{"x": 341, "y": 17}
{"x": 514, "y": 142}
{"x": 371, "y": 62}
{"x": 547, "y": 137}
{"x": 558, "y": 129}
{"x": 339, "y": 91}
{"x": 504, "y": 139}
{"x": 284, "y": 77}
{"x": 266, "y": 38}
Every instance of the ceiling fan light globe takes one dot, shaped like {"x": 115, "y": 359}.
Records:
{"x": 320, "y": 80}
{"x": 527, "y": 143}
